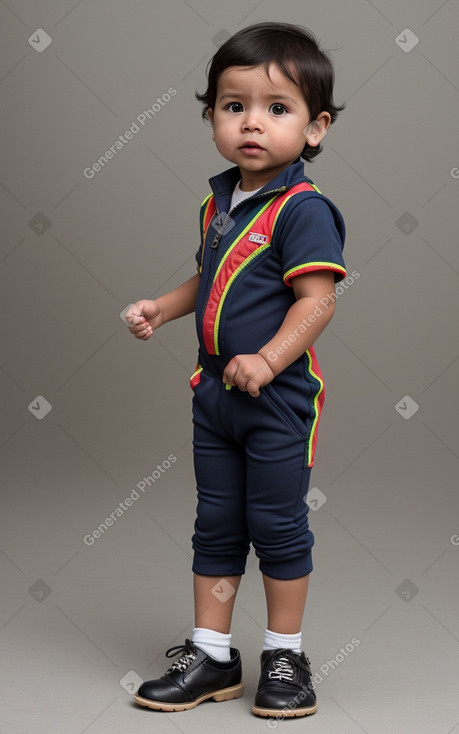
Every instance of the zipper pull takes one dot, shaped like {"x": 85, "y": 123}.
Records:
{"x": 216, "y": 240}
{"x": 219, "y": 225}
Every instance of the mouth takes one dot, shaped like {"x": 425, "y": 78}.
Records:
{"x": 251, "y": 147}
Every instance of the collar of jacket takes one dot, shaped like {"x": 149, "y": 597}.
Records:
{"x": 223, "y": 184}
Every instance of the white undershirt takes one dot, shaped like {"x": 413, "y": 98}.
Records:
{"x": 239, "y": 195}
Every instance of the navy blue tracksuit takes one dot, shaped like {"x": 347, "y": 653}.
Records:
{"x": 253, "y": 456}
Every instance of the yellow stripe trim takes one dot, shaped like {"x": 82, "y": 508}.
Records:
{"x": 243, "y": 233}
{"x": 206, "y": 199}
{"x": 205, "y": 208}
{"x": 281, "y": 207}
{"x": 195, "y": 373}
{"x": 286, "y": 200}
{"x": 316, "y": 409}
{"x": 228, "y": 286}
{"x": 317, "y": 265}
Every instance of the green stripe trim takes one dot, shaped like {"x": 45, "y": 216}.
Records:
{"x": 243, "y": 233}
{"x": 316, "y": 265}
{"x": 315, "y": 403}
{"x": 202, "y": 212}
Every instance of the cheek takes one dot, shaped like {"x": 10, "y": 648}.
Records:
{"x": 223, "y": 131}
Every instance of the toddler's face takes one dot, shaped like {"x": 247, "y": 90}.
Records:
{"x": 259, "y": 122}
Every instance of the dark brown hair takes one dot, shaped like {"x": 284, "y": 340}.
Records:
{"x": 296, "y": 53}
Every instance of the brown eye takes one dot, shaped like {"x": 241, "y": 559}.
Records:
{"x": 235, "y": 107}
{"x": 277, "y": 109}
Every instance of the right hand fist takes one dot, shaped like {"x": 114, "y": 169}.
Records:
{"x": 142, "y": 318}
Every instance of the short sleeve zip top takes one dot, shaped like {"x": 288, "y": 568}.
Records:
{"x": 249, "y": 256}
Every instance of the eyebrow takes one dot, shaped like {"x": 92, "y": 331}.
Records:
{"x": 232, "y": 95}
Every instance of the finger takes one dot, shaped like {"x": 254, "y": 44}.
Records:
{"x": 133, "y": 320}
{"x": 229, "y": 374}
{"x": 141, "y": 331}
{"x": 137, "y": 328}
{"x": 253, "y": 389}
{"x": 133, "y": 310}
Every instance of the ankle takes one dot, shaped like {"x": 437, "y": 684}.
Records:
{"x": 276, "y": 640}
{"x": 215, "y": 644}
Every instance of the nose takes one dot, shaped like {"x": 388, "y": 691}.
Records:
{"x": 252, "y": 121}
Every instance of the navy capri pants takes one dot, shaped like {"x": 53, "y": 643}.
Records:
{"x": 252, "y": 480}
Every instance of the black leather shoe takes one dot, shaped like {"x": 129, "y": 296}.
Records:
{"x": 285, "y": 688}
{"x": 192, "y": 679}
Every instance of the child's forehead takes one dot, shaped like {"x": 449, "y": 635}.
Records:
{"x": 256, "y": 78}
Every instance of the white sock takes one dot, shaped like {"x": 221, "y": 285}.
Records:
{"x": 215, "y": 644}
{"x": 274, "y": 641}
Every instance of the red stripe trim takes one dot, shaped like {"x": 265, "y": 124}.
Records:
{"x": 264, "y": 225}
{"x": 211, "y": 208}
{"x": 195, "y": 378}
{"x": 310, "y": 268}
{"x": 240, "y": 253}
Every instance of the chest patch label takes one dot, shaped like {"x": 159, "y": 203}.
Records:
{"x": 261, "y": 239}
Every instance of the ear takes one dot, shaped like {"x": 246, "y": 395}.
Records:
{"x": 210, "y": 115}
{"x": 317, "y": 129}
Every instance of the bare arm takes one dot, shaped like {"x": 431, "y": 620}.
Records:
{"x": 180, "y": 301}
{"x": 301, "y": 325}
{"x": 143, "y": 317}
{"x": 299, "y": 330}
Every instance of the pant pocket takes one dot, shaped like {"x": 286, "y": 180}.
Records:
{"x": 195, "y": 378}
{"x": 284, "y": 410}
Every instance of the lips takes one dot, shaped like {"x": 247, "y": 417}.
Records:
{"x": 251, "y": 144}
{"x": 251, "y": 148}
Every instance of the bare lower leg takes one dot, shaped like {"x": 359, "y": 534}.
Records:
{"x": 285, "y": 601}
{"x": 214, "y": 601}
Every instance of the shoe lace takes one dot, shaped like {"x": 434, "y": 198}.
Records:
{"x": 184, "y": 662}
{"x": 283, "y": 669}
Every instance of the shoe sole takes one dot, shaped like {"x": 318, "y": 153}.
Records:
{"x": 225, "y": 694}
{"x": 285, "y": 712}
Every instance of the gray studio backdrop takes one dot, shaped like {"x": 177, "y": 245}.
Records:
{"x": 96, "y": 424}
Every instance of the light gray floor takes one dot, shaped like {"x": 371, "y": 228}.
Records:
{"x": 76, "y": 619}
{"x": 113, "y": 608}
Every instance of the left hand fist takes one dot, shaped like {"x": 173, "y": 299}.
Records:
{"x": 248, "y": 372}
